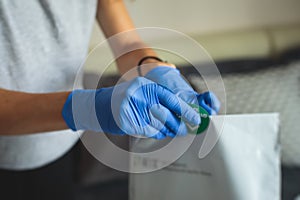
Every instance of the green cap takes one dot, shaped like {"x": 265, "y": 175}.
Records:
{"x": 204, "y": 120}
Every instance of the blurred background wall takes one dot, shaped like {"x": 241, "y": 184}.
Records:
{"x": 229, "y": 29}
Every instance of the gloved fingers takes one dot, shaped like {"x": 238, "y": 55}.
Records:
{"x": 169, "y": 119}
{"x": 209, "y": 101}
{"x": 215, "y": 103}
{"x": 178, "y": 106}
{"x": 158, "y": 125}
{"x": 208, "y": 109}
{"x": 188, "y": 96}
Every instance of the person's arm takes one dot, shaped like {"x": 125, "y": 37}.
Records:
{"x": 25, "y": 113}
{"x": 113, "y": 19}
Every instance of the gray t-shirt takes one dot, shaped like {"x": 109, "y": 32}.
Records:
{"x": 42, "y": 44}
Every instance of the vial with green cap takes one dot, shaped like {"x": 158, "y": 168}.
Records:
{"x": 204, "y": 120}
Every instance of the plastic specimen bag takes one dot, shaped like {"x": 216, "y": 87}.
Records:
{"x": 243, "y": 164}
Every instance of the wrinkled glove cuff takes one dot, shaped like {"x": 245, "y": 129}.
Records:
{"x": 79, "y": 111}
{"x": 68, "y": 114}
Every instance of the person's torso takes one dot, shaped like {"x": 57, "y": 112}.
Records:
{"x": 43, "y": 44}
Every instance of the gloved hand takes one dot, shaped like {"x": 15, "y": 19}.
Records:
{"x": 171, "y": 79}
{"x": 138, "y": 107}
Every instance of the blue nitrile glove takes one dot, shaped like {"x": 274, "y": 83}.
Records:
{"x": 171, "y": 79}
{"x": 137, "y": 107}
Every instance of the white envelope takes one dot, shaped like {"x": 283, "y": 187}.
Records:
{"x": 243, "y": 165}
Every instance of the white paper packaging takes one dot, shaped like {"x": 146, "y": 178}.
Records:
{"x": 243, "y": 165}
